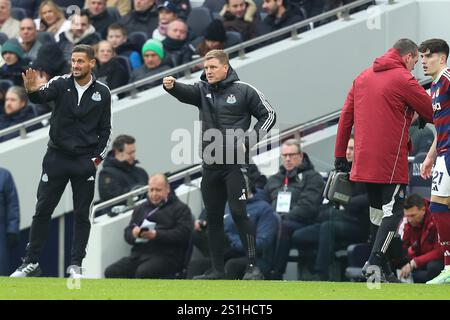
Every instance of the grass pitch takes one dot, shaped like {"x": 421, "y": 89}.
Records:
{"x": 107, "y": 289}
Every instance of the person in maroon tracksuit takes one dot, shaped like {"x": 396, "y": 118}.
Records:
{"x": 423, "y": 254}
{"x": 380, "y": 107}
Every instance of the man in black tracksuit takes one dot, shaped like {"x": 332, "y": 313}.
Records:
{"x": 226, "y": 106}
{"x": 80, "y": 132}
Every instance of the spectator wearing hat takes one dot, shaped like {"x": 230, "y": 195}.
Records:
{"x": 241, "y": 16}
{"x": 215, "y": 38}
{"x": 144, "y": 17}
{"x": 14, "y": 65}
{"x": 8, "y": 24}
{"x": 17, "y": 111}
{"x": 153, "y": 55}
{"x": 167, "y": 13}
{"x": 100, "y": 17}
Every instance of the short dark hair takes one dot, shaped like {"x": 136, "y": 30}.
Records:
{"x": 435, "y": 46}
{"x": 86, "y": 49}
{"x": 120, "y": 142}
{"x": 118, "y": 26}
{"x": 405, "y": 46}
{"x": 414, "y": 200}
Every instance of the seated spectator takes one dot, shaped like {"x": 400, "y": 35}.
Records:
{"x": 123, "y": 6}
{"x": 14, "y": 65}
{"x": 241, "y": 16}
{"x": 144, "y": 17}
{"x": 8, "y": 24}
{"x": 262, "y": 216}
{"x": 81, "y": 32}
{"x": 50, "y": 62}
{"x": 52, "y": 19}
{"x": 349, "y": 224}
{"x": 9, "y": 220}
{"x": 167, "y": 12}
{"x": 423, "y": 256}
{"x": 296, "y": 194}
{"x": 158, "y": 252}
{"x": 117, "y": 36}
{"x": 280, "y": 14}
{"x": 100, "y": 17}
{"x": 153, "y": 55}
{"x": 215, "y": 38}
{"x": 17, "y": 111}
{"x": 176, "y": 44}
{"x": 120, "y": 173}
{"x": 108, "y": 70}
{"x": 28, "y": 39}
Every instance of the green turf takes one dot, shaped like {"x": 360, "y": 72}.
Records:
{"x": 56, "y": 288}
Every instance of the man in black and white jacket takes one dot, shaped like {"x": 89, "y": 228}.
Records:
{"x": 226, "y": 107}
{"x": 80, "y": 133}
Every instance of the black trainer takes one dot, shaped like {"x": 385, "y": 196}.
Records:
{"x": 253, "y": 273}
{"x": 27, "y": 270}
{"x": 211, "y": 275}
{"x": 369, "y": 270}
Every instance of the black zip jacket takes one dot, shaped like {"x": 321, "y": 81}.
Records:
{"x": 174, "y": 226}
{"x": 228, "y": 104}
{"x": 77, "y": 130}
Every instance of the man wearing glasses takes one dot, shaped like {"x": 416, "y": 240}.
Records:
{"x": 296, "y": 194}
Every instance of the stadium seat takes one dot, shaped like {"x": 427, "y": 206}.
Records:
{"x": 5, "y": 84}
{"x": 138, "y": 38}
{"x": 18, "y": 13}
{"x": 357, "y": 255}
{"x": 3, "y": 38}
{"x": 114, "y": 12}
{"x": 187, "y": 258}
{"x": 214, "y": 5}
{"x": 233, "y": 38}
{"x": 416, "y": 183}
{"x": 126, "y": 64}
{"x": 199, "y": 19}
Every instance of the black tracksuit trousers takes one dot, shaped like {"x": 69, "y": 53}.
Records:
{"x": 57, "y": 170}
{"x": 222, "y": 184}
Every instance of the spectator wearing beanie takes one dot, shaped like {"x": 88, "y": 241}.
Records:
{"x": 12, "y": 54}
{"x": 215, "y": 38}
{"x": 153, "y": 55}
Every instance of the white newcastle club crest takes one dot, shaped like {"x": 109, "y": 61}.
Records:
{"x": 231, "y": 99}
{"x": 44, "y": 177}
{"x": 96, "y": 96}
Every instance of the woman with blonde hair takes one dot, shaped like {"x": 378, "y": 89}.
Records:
{"x": 52, "y": 19}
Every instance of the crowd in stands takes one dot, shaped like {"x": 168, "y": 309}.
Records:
{"x": 134, "y": 39}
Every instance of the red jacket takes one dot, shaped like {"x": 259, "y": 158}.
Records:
{"x": 421, "y": 243}
{"x": 380, "y": 107}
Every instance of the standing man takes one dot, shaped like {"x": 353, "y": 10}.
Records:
{"x": 434, "y": 54}
{"x": 226, "y": 106}
{"x": 80, "y": 133}
{"x": 380, "y": 107}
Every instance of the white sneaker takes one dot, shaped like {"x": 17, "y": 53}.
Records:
{"x": 27, "y": 270}
{"x": 75, "y": 272}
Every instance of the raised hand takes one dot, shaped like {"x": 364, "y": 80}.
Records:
{"x": 31, "y": 80}
{"x": 169, "y": 82}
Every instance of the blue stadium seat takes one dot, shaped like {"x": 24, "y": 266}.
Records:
{"x": 357, "y": 255}
{"x": 3, "y": 38}
{"x": 46, "y": 37}
{"x": 214, "y": 5}
{"x": 138, "y": 38}
{"x": 18, "y": 13}
{"x": 416, "y": 183}
{"x": 233, "y": 38}
{"x": 199, "y": 19}
{"x": 126, "y": 64}
{"x": 5, "y": 84}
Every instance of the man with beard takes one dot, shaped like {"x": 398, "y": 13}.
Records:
{"x": 80, "y": 133}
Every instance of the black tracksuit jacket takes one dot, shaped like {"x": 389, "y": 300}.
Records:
{"x": 77, "y": 130}
{"x": 228, "y": 104}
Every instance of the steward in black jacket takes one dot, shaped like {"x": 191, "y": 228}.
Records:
{"x": 77, "y": 129}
